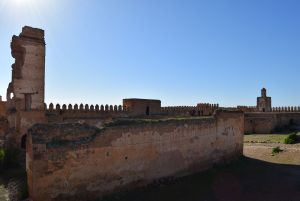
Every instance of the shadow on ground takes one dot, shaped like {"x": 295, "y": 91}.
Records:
{"x": 246, "y": 179}
{"x": 13, "y": 184}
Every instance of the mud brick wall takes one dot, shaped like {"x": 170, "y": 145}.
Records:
{"x": 81, "y": 162}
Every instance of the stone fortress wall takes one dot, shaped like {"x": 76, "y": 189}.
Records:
{"x": 271, "y": 122}
{"x": 80, "y": 162}
{"x": 95, "y": 115}
{"x": 103, "y": 113}
{"x": 74, "y": 151}
{"x": 255, "y": 122}
{"x": 273, "y": 109}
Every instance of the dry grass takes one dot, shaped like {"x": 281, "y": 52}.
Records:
{"x": 266, "y": 138}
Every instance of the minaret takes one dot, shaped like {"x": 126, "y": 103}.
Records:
{"x": 263, "y": 92}
{"x": 264, "y": 103}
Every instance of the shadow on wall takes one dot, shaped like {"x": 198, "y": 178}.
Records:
{"x": 291, "y": 126}
{"x": 246, "y": 179}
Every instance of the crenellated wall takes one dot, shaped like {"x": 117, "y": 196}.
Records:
{"x": 202, "y": 109}
{"x": 85, "y": 108}
{"x": 286, "y": 109}
{"x": 178, "y": 110}
{"x": 81, "y": 162}
{"x": 247, "y": 108}
{"x": 206, "y": 109}
{"x": 95, "y": 115}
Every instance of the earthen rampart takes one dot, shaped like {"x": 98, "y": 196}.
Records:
{"x": 80, "y": 162}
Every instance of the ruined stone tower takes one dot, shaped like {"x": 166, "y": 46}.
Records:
{"x": 264, "y": 103}
{"x": 26, "y": 91}
{"x": 28, "y": 71}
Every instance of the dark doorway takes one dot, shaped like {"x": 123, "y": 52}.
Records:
{"x": 264, "y": 109}
{"x": 147, "y": 111}
{"x": 23, "y": 142}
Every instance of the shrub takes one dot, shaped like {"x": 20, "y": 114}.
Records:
{"x": 9, "y": 158}
{"x": 276, "y": 150}
{"x": 290, "y": 139}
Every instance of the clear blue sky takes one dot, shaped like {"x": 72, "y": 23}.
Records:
{"x": 180, "y": 51}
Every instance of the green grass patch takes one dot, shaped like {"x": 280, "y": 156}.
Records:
{"x": 276, "y": 150}
{"x": 291, "y": 139}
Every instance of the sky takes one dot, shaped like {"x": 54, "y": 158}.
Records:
{"x": 182, "y": 52}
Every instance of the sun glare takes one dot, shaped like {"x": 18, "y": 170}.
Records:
{"x": 21, "y": 2}
{"x": 22, "y": 8}
{"x": 27, "y": 12}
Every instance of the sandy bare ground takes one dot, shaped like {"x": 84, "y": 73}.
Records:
{"x": 263, "y": 151}
{"x": 258, "y": 176}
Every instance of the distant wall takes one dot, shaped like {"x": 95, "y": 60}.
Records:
{"x": 80, "y": 162}
{"x": 178, "y": 110}
{"x": 247, "y": 108}
{"x": 262, "y": 123}
{"x": 202, "y": 109}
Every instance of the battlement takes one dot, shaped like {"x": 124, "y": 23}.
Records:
{"x": 247, "y": 108}
{"x": 273, "y": 109}
{"x": 286, "y": 109}
{"x": 202, "y": 109}
{"x": 84, "y": 108}
{"x": 206, "y": 105}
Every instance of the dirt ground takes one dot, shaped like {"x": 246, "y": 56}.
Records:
{"x": 258, "y": 176}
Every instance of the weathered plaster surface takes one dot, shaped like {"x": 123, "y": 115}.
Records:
{"x": 263, "y": 123}
{"x": 80, "y": 162}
